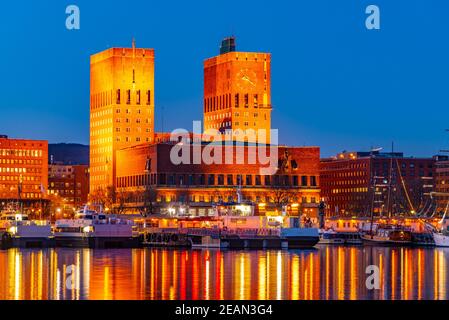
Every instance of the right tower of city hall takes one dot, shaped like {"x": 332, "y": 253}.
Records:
{"x": 237, "y": 92}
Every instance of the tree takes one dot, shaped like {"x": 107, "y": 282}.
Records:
{"x": 103, "y": 197}
{"x": 121, "y": 199}
{"x": 280, "y": 196}
{"x": 148, "y": 196}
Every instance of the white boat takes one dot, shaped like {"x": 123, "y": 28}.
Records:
{"x": 441, "y": 240}
{"x": 19, "y": 231}
{"x": 93, "y": 228}
{"x": 330, "y": 237}
{"x": 441, "y": 235}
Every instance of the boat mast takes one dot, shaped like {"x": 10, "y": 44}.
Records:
{"x": 390, "y": 180}
{"x": 373, "y": 186}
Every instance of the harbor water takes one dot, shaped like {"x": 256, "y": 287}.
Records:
{"x": 326, "y": 272}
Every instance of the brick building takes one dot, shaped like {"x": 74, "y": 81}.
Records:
{"x": 347, "y": 182}
{"x": 69, "y": 182}
{"x": 121, "y": 107}
{"x": 295, "y": 184}
{"x": 237, "y": 92}
{"x": 23, "y": 170}
{"x": 442, "y": 182}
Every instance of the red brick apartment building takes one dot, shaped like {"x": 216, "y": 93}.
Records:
{"x": 442, "y": 183}
{"x": 295, "y": 184}
{"x": 347, "y": 182}
{"x": 69, "y": 182}
{"x": 23, "y": 170}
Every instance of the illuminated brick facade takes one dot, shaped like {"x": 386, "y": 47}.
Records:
{"x": 237, "y": 92}
{"x": 23, "y": 169}
{"x": 296, "y": 184}
{"x": 442, "y": 183}
{"x": 70, "y": 182}
{"x": 121, "y": 107}
{"x": 347, "y": 182}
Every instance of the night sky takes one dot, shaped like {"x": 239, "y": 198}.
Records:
{"x": 335, "y": 84}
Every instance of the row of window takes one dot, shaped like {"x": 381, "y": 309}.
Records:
{"x": 20, "y": 170}
{"x": 18, "y": 178}
{"x": 24, "y": 195}
{"x": 217, "y": 180}
{"x": 198, "y": 198}
{"x": 20, "y": 161}
{"x": 137, "y": 97}
{"x": 350, "y": 190}
{"x": 128, "y": 129}
{"x": 64, "y": 192}
{"x": 131, "y": 139}
{"x": 20, "y": 153}
{"x": 224, "y": 102}
{"x": 103, "y": 99}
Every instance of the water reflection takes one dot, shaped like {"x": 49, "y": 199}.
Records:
{"x": 324, "y": 273}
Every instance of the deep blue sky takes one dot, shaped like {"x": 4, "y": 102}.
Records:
{"x": 334, "y": 83}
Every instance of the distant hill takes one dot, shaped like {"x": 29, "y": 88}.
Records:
{"x": 68, "y": 153}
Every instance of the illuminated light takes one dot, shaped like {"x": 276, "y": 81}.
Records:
{"x": 12, "y": 230}
{"x": 295, "y": 205}
{"x": 88, "y": 229}
{"x": 262, "y": 204}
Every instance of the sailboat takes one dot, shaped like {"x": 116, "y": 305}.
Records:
{"x": 441, "y": 236}
{"x": 387, "y": 234}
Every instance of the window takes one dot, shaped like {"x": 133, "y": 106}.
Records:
{"x": 211, "y": 180}
{"x": 138, "y": 97}
{"x": 220, "y": 180}
{"x": 239, "y": 179}
{"x": 295, "y": 181}
{"x": 256, "y": 101}
{"x": 230, "y": 179}
{"x": 304, "y": 181}
{"x": 313, "y": 182}
{"x": 267, "y": 181}
{"x": 237, "y": 100}
{"x": 246, "y": 101}
{"x": 249, "y": 180}
{"x": 118, "y": 96}
{"x": 128, "y": 96}
{"x": 258, "y": 182}
{"x": 148, "y": 97}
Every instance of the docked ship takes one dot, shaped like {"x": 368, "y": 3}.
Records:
{"x": 95, "y": 229}
{"x": 230, "y": 225}
{"x": 441, "y": 234}
{"x": 17, "y": 230}
{"x": 388, "y": 235}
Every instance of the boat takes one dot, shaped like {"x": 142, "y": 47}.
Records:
{"x": 94, "y": 228}
{"x": 17, "y": 230}
{"x": 339, "y": 237}
{"x": 330, "y": 237}
{"x": 441, "y": 235}
{"x": 388, "y": 235}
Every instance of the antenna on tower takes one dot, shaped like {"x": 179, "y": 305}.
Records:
{"x": 134, "y": 67}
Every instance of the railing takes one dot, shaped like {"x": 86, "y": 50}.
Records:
{"x": 248, "y": 232}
